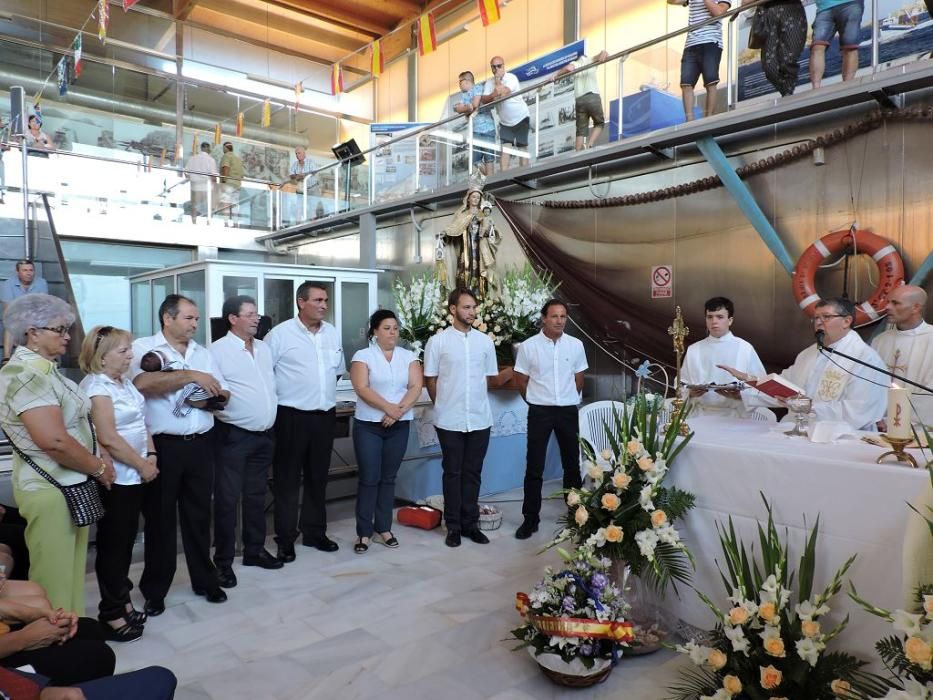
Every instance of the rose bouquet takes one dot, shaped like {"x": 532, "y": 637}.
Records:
{"x": 624, "y": 511}
{"x": 766, "y": 645}
{"x": 576, "y": 614}
{"x": 908, "y": 655}
{"x": 421, "y": 310}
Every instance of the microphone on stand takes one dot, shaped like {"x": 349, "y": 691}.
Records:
{"x": 819, "y": 335}
{"x": 883, "y": 370}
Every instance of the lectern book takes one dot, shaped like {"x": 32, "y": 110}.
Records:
{"x": 776, "y": 386}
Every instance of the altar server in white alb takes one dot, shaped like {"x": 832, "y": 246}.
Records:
{"x": 720, "y": 347}
{"x": 907, "y": 349}
{"x": 841, "y": 390}
{"x": 549, "y": 373}
{"x": 459, "y": 366}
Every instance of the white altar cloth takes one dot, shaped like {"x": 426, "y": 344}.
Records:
{"x": 862, "y": 508}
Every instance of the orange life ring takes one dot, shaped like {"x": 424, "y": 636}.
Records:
{"x": 890, "y": 267}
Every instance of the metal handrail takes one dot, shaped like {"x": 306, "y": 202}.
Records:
{"x": 621, "y": 55}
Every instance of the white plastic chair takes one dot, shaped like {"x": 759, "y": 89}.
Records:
{"x": 593, "y": 418}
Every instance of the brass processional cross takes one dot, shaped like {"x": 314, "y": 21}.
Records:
{"x": 678, "y": 331}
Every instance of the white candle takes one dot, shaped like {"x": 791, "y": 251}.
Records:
{"x": 898, "y": 418}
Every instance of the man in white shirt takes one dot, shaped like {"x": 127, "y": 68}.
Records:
{"x": 549, "y": 373}
{"x": 201, "y": 169}
{"x": 186, "y": 458}
{"x": 720, "y": 347}
{"x": 245, "y": 441}
{"x": 514, "y": 118}
{"x": 841, "y": 390}
{"x": 308, "y": 360}
{"x": 300, "y": 177}
{"x": 907, "y": 349}
{"x": 459, "y": 367}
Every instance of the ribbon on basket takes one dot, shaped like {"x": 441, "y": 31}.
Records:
{"x": 573, "y": 626}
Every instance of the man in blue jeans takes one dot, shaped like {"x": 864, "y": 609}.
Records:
{"x": 702, "y": 52}
{"x": 832, "y": 16}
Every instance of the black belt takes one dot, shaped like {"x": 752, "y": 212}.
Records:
{"x": 244, "y": 430}
{"x": 186, "y": 438}
{"x": 315, "y": 412}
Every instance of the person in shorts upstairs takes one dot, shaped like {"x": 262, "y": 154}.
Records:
{"x": 843, "y": 17}
{"x": 702, "y": 52}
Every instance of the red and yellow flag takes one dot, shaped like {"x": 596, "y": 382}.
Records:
{"x": 217, "y": 134}
{"x": 427, "y": 36}
{"x": 336, "y": 80}
{"x": 489, "y": 11}
{"x": 127, "y": 4}
{"x": 194, "y": 143}
{"x": 378, "y": 64}
{"x": 239, "y": 124}
{"x": 103, "y": 19}
{"x": 266, "y": 114}
{"x": 299, "y": 88}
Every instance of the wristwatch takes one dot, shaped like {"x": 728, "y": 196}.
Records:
{"x": 100, "y": 471}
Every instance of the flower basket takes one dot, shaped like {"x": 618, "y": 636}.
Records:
{"x": 490, "y": 517}
{"x": 571, "y": 674}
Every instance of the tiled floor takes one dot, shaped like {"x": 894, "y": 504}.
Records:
{"x": 421, "y": 621}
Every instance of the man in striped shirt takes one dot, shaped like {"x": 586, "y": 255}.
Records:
{"x": 702, "y": 52}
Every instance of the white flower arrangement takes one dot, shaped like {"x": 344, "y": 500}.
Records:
{"x": 421, "y": 312}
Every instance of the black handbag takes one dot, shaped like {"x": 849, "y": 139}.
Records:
{"x": 758, "y": 32}
{"x": 83, "y": 500}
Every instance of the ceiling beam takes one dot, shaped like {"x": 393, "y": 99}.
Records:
{"x": 182, "y": 8}
{"x": 365, "y": 25}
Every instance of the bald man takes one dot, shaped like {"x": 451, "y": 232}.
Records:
{"x": 907, "y": 349}
{"x": 514, "y": 117}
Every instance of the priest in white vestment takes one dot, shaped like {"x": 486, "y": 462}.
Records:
{"x": 907, "y": 349}
{"x": 719, "y": 347}
{"x": 841, "y": 390}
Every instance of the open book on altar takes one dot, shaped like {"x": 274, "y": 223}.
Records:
{"x": 776, "y": 386}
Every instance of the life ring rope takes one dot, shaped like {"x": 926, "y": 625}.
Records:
{"x": 889, "y": 262}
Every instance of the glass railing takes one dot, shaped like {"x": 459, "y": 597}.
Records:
{"x": 138, "y": 189}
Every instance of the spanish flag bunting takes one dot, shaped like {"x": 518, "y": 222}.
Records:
{"x": 103, "y": 19}
{"x": 76, "y": 47}
{"x": 336, "y": 80}
{"x": 427, "y": 36}
{"x": 239, "y": 124}
{"x": 299, "y": 88}
{"x": 127, "y": 4}
{"x": 194, "y": 143}
{"x": 378, "y": 59}
{"x": 489, "y": 11}
{"x": 266, "y": 114}
{"x": 217, "y": 134}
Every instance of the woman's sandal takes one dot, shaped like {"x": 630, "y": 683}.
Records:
{"x": 391, "y": 542}
{"x": 127, "y": 632}
{"x": 360, "y": 547}
{"x": 134, "y": 617}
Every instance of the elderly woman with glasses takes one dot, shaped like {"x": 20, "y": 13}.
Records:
{"x": 118, "y": 414}
{"x": 46, "y": 418}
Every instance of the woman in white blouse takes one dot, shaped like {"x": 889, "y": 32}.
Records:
{"x": 387, "y": 380}
{"x": 117, "y": 411}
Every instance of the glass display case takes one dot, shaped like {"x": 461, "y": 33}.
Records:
{"x": 352, "y": 295}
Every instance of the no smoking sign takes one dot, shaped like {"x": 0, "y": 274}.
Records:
{"x": 662, "y": 281}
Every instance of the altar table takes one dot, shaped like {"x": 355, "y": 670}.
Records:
{"x": 862, "y": 508}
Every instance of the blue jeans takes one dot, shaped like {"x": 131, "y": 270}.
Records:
{"x": 845, "y": 19}
{"x": 379, "y": 453}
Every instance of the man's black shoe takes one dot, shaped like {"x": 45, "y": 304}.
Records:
{"x": 477, "y": 536}
{"x": 225, "y": 577}
{"x": 214, "y": 595}
{"x": 452, "y": 539}
{"x": 264, "y": 559}
{"x": 322, "y": 543}
{"x": 154, "y": 607}
{"x": 285, "y": 553}
{"x": 526, "y": 529}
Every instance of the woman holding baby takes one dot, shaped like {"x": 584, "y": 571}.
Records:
{"x": 117, "y": 411}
